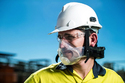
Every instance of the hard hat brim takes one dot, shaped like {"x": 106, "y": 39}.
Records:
{"x": 60, "y": 29}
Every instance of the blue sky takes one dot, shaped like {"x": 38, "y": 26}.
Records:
{"x": 25, "y": 24}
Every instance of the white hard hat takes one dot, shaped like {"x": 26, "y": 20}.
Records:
{"x": 75, "y": 15}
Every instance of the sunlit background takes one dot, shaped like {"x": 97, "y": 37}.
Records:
{"x": 25, "y": 24}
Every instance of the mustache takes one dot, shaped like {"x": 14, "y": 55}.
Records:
{"x": 66, "y": 50}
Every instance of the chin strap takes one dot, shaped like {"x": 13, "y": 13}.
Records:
{"x": 96, "y": 52}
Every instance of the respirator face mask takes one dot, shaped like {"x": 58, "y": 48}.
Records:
{"x": 70, "y": 55}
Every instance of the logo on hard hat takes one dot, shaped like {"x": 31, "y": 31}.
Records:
{"x": 92, "y": 19}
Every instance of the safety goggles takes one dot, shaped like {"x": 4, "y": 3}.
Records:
{"x": 70, "y": 37}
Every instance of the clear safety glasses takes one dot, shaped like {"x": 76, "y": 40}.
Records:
{"x": 70, "y": 37}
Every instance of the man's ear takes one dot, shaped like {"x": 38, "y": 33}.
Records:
{"x": 93, "y": 39}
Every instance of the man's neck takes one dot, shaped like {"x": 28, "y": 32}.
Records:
{"x": 83, "y": 68}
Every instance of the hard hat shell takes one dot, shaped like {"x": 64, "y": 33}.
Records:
{"x": 75, "y": 15}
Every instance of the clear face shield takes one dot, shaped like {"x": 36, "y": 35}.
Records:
{"x": 69, "y": 55}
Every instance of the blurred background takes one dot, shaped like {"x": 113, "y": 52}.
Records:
{"x": 25, "y": 45}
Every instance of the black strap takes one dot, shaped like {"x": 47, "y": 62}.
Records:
{"x": 87, "y": 44}
{"x": 56, "y": 59}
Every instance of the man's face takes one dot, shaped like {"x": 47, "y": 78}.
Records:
{"x": 71, "y": 38}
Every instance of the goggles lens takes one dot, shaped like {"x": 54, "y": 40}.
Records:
{"x": 69, "y": 37}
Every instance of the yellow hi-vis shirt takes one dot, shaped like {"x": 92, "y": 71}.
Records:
{"x": 52, "y": 74}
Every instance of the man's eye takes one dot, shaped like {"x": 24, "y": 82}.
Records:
{"x": 59, "y": 36}
{"x": 70, "y": 37}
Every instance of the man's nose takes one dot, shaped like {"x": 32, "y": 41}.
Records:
{"x": 63, "y": 43}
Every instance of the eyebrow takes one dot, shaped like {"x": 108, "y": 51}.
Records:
{"x": 64, "y": 34}
{"x": 67, "y": 34}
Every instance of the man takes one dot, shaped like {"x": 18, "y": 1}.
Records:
{"x": 77, "y": 28}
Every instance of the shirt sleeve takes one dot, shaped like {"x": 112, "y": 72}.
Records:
{"x": 31, "y": 79}
{"x": 118, "y": 79}
{"x": 115, "y": 77}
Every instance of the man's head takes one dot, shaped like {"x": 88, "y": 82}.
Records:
{"x": 72, "y": 45}
{"x": 73, "y": 22}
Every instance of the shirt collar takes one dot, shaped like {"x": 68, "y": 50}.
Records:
{"x": 97, "y": 69}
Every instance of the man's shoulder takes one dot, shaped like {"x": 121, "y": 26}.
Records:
{"x": 50, "y": 68}
{"x": 42, "y": 74}
{"x": 110, "y": 71}
{"x": 112, "y": 75}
